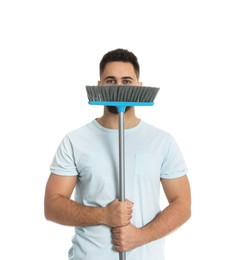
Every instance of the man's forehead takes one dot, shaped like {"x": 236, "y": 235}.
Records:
{"x": 119, "y": 69}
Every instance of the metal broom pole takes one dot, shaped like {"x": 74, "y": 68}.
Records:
{"x": 122, "y": 255}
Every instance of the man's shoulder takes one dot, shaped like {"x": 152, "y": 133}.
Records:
{"x": 82, "y": 130}
{"x": 154, "y": 129}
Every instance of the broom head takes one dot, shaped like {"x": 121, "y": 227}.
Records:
{"x": 128, "y": 94}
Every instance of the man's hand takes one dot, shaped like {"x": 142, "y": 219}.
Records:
{"x": 126, "y": 238}
{"x": 119, "y": 213}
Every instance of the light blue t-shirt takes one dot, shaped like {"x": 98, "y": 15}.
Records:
{"x": 91, "y": 153}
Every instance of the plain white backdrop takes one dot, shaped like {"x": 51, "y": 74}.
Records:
{"x": 49, "y": 51}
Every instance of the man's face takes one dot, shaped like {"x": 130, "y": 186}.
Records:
{"x": 118, "y": 73}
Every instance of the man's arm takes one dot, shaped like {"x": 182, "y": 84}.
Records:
{"x": 60, "y": 208}
{"x": 173, "y": 216}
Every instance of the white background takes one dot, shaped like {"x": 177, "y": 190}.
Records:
{"x": 49, "y": 51}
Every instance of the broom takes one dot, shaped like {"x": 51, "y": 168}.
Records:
{"x": 121, "y": 96}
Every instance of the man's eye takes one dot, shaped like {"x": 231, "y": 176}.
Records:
{"x": 110, "y": 81}
{"x": 126, "y": 81}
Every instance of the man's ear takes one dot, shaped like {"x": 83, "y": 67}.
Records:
{"x": 140, "y": 83}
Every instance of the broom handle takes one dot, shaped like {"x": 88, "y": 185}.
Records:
{"x": 122, "y": 255}
{"x": 121, "y": 158}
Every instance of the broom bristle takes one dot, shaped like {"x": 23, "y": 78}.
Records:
{"x": 122, "y": 93}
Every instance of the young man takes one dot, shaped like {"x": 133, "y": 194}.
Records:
{"x": 87, "y": 161}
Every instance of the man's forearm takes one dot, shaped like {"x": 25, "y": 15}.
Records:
{"x": 70, "y": 213}
{"x": 172, "y": 217}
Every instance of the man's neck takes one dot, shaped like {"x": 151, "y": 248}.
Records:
{"x": 110, "y": 120}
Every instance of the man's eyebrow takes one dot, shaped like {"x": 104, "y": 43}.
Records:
{"x": 127, "y": 77}
{"x": 110, "y": 77}
{"x": 113, "y": 77}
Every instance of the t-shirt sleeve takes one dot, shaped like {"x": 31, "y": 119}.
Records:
{"x": 173, "y": 165}
{"x": 63, "y": 162}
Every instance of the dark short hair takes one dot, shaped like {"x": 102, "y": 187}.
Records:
{"x": 120, "y": 55}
